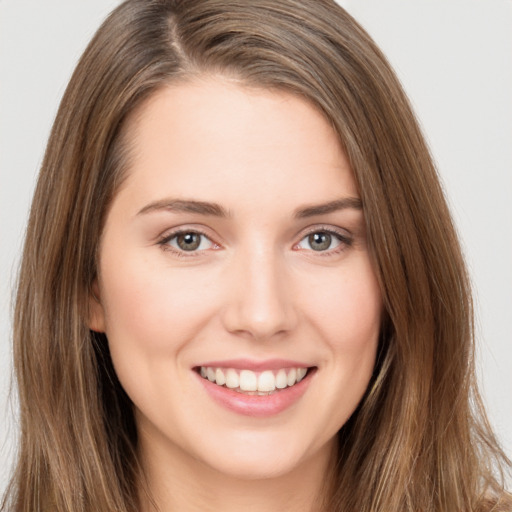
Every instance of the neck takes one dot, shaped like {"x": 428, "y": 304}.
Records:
{"x": 174, "y": 482}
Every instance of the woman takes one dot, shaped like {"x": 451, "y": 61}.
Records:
{"x": 241, "y": 285}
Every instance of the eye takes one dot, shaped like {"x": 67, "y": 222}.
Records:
{"x": 188, "y": 241}
{"x": 323, "y": 241}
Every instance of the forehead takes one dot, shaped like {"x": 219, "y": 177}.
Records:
{"x": 214, "y": 137}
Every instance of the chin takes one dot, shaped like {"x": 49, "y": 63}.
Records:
{"x": 256, "y": 466}
{"x": 258, "y": 456}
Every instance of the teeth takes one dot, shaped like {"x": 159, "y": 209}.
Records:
{"x": 281, "y": 379}
{"x": 232, "y": 380}
{"x": 220, "y": 378}
{"x": 266, "y": 381}
{"x": 248, "y": 381}
{"x": 253, "y": 383}
{"x": 292, "y": 377}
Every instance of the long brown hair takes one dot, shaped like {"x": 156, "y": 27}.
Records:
{"x": 419, "y": 440}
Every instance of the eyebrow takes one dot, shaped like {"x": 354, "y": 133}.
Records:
{"x": 214, "y": 209}
{"x": 329, "y": 207}
{"x": 186, "y": 205}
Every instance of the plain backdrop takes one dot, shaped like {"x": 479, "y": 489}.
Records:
{"x": 454, "y": 58}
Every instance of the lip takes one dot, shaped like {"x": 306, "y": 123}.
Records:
{"x": 256, "y": 366}
{"x": 257, "y": 406}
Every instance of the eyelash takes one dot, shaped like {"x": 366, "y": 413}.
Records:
{"x": 345, "y": 241}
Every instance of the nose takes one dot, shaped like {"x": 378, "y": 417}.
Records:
{"x": 260, "y": 304}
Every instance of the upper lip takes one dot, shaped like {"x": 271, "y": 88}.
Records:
{"x": 254, "y": 365}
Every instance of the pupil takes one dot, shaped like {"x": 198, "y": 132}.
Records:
{"x": 320, "y": 241}
{"x": 189, "y": 241}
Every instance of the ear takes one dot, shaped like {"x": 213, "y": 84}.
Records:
{"x": 96, "y": 319}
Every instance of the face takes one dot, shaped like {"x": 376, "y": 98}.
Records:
{"x": 235, "y": 285}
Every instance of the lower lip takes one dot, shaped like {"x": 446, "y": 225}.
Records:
{"x": 260, "y": 406}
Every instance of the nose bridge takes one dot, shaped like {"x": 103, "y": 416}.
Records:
{"x": 260, "y": 303}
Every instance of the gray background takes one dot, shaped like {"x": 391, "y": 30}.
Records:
{"x": 454, "y": 58}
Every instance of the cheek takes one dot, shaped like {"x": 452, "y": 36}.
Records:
{"x": 347, "y": 307}
{"x": 153, "y": 308}
{"x": 152, "y": 315}
{"x": 348, "y": 314}
{"x": 344, "y": 309}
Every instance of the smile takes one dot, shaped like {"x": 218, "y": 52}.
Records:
{"x": 258, "y": 389}
{"x": 254, "y": 383}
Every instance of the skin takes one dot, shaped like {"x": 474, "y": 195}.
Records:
{"x": 254, "y": 289}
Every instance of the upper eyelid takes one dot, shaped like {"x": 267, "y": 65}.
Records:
{"x": 342, "y": 232}
{"x": 168, "y": 234}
